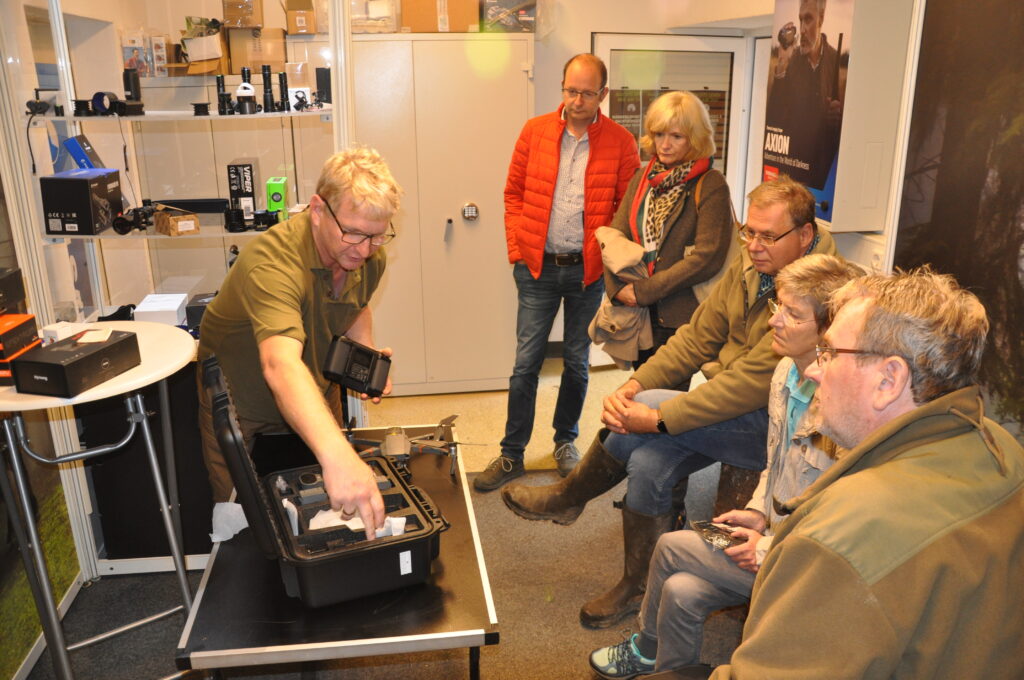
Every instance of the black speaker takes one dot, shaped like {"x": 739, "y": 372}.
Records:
{"x": 323, "y": 84}
{"x": 132, "y": 86}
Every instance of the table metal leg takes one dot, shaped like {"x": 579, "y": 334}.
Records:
{"x": 176, "y": 555}
{"x": 474, "y": 663}
{"x": 32, "y": 555}
{"x": 170, "y": 463}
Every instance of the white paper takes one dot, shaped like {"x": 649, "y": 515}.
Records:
{"x": 228, "y": 520}
{"x": 393, "y": 526}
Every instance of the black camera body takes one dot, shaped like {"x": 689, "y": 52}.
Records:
{"x": 356, "y": 367}
{"x": 135, "y": 218}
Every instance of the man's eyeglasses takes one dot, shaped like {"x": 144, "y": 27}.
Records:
{"x": 354, "y": 238}
{"x": 827, "y": 354}
{"x": 748, "y": 235}
{"x": 774, "y": 307}
{"x": 588, "y": 95}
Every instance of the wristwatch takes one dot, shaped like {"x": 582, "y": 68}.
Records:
{"x": 662, "y": 428}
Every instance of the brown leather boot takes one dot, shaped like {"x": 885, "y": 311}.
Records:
{"x": 563, "y": 502}
{"x": 640, "y": 534}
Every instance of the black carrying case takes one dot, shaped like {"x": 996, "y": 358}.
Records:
{"x": 325, "y": 566}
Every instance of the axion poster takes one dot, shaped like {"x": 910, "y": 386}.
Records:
{"x": 806, "y": 94}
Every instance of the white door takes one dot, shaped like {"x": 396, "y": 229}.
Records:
{"x": 448, "y": 305}
{"x": 716, "y": 69}
{"x": 471, "y": 102}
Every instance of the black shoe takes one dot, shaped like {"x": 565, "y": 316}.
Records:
{"x": 501, "y": 470}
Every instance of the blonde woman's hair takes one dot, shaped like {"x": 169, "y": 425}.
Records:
{"x": 685, "y": 112}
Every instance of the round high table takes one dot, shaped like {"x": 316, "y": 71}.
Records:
{"x": 163, "y": 349}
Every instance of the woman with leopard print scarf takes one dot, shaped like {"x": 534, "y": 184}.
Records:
{"x": 678, "y": 208}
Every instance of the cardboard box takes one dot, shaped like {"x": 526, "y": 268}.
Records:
{"x": 421, "y": 16}
{"x": 507, "y": 16}
{"x": 17, "y": 331}
{"x": 373, "y": 16}
{"x": 81, "y": 201}
{"x": 301, "y": 16}
{"x": 255, "y": 48}
{"x": 175, "y": 223}
{"x": 213, "y": 59}
{"x": 243, "y": 13}
{"x": 166, "y": 308}
{"x": 69, "y": 367}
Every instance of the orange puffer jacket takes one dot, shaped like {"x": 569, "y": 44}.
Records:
{"x": 532, "y": 175}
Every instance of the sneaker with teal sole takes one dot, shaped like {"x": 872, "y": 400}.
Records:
{"x": 622, "y": 661}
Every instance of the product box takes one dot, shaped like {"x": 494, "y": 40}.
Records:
{"x": 207, "y": 55}
{"x": 422, "y": 16}
{"x": 277, "y": 194}
{"x": 163, "y": 50}
{"x": 69, "y": 366}
{"x": 175, "y": 223}
{"x": 299, "y": 74}
{"x": 6, "y": 370}
{"x": 243, "y": 13}
{"x": 507, "y": 16}
{"x": 373, "y": 16}
{"x": 60, "y": 330}
{"x": 81, "y": 201}
{"x": 195, "y": 308}
{"x": 166, "y": 308}
{"x": 12, "y": 289}
{"x": 255, "y": 48}
{"x": 242, "y": 179}
{"x": 82, "y": 151}
{"x": 17, "y": 331}
{"x": 301, "y": 16}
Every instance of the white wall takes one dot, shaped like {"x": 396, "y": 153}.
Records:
{"x": 573, "y": 21}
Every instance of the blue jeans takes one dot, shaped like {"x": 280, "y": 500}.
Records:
{"x": 655, "y": 462}
{"x": 539, "y": 300}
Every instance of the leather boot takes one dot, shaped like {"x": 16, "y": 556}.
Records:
{"x": 563, "y": 502}
{"x": 640, "y": 534}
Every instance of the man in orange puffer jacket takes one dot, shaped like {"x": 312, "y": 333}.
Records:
{"x": 569, "y": 171}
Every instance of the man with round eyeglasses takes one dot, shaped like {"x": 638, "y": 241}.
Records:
{"x": 291, "y": 290}
{"x": 569, "y": 170}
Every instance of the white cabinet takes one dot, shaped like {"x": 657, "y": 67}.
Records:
{"x": 445, "y": 111}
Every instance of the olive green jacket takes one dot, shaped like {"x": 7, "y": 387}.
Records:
{"x": 728, "y": 339}
{"x": 904, "y": 560}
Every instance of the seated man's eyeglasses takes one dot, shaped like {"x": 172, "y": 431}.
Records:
{"x": 748, "y": 235}
{"x": 354, "y": 238}
{"x": 826, "y": 354}
{"x": 588, "y": 95}
{"x": 787, "y": 318}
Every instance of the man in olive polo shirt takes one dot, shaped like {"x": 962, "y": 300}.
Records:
{"x": 289, "y": 292}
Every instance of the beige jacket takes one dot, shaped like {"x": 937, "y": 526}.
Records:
{"x": 622, "y": 330}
